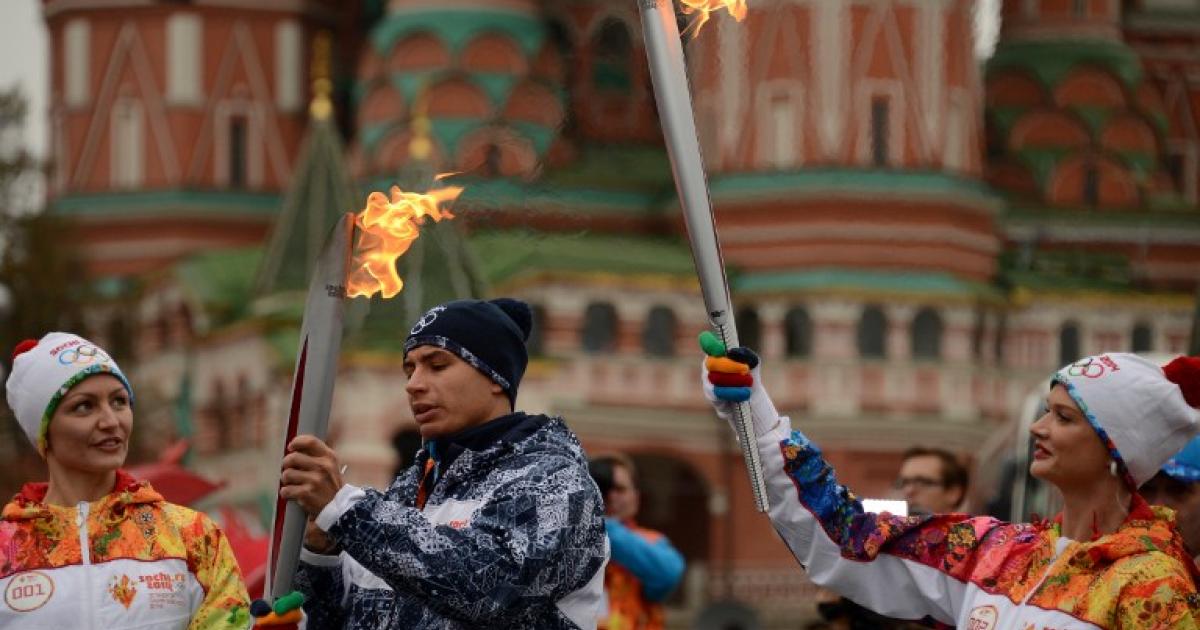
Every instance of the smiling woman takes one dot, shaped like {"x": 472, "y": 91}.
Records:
{"x": 94, "y": 542}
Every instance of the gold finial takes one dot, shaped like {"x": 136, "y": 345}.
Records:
{"x": 420, "y": 147}
{"x": 321, "y": 73}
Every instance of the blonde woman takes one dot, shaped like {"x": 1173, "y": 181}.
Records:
{"x": 93, "y": 547}
{"x": 1108, "y": 561}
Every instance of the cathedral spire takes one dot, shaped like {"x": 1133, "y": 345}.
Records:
{"x": 319, "y": 193}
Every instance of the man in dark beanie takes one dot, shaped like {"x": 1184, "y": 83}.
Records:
{"x": 496, "y": 525}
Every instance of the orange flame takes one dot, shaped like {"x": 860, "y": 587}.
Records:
{"x": 703, "y": 9}
{"x": 386, "y": 229}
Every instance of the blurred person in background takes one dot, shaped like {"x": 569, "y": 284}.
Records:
{"x": 1108, "y": 560}
{"x": 93, "y": 542}
{"x": 644, "y": 568}
{"x": 1177, "y": 486}
{"x": 932, "y": 481}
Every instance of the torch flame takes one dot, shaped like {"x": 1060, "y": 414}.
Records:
{"x": 386, "y": 229}
{"x": 703, "y": 9}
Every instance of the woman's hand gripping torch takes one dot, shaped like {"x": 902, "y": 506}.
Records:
{"x": 669, "y": 75}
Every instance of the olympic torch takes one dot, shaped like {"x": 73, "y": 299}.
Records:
{"x": 382, "y": 232}
{"x": 669, "y": 75}
{"x": 312, "y": 392}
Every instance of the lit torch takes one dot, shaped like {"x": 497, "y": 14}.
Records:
{"x": 669, "y": 74}
{"x": 703, "y": 9}
{"x": 386, "y": 228}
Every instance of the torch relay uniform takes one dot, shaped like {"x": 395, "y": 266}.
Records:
{"x": 126, "y": 560}
{"x": 497, "y": 526}
{"x": 146, "y": 564}
{"x": 978, "y": 573}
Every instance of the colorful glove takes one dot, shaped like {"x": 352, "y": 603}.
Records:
{"x": 731, "y": 377}
{"x": 286, "y": 614}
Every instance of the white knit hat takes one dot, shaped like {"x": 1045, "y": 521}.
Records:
{"x": 44, "y": 371}
{"x": 1143, "y": 413}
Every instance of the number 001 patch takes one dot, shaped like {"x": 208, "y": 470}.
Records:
{"x": 982, "y": 618}
{"x": 28, "y": 591}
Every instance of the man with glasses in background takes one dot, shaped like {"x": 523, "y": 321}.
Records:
{"x": 932, "y": 480}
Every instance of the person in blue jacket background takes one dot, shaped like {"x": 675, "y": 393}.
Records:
{"x": 1177, "y": 486}
{"x": 645, "y": 568}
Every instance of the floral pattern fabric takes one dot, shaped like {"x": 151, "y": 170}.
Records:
{"x": 1137, "y": 577}
{"x": 131, "y": 523}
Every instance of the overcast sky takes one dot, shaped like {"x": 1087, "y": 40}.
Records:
{"x": 23, "y": 57}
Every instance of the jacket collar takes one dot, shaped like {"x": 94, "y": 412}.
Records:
{"x": 29, "y": 503}
{"x": 1146, "y": 529}
{"x": 505, "y": 430}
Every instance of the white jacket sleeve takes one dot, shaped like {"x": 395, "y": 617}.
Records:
{"x": 902, "y": 567}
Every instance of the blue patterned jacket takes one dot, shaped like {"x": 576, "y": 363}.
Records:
{"x": 512, "y": 536}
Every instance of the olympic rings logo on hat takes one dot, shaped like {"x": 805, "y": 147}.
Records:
{"x": 1089, "y": 367}
{"x": 426, "y": 319}
{"x": 82, "y": 355}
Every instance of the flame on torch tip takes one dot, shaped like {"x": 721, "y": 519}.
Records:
{"x": 704, "y": 8}
{"x": 387, "y": 227}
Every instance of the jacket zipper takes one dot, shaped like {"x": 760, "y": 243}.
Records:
{"x": 85, "y": 552}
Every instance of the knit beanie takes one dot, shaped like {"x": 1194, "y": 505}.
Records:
{"x": 44, "y": 371}
{"x": 1143, "y": 413}
{"x": 490, "y": 336}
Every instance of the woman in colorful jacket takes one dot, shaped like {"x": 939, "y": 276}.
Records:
{"x": 93, "y": 547}
{"x": 1107, "y": 561}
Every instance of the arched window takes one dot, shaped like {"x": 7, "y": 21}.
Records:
{"x": 1091, "y": 185}
{"x": 797, "y": 330}
{"x": 244, "y": 433}
{"x": 872, "y": 333}
{"x": 1142, "y": 338}
{"x": 120, "y": 338}
{"x": 536, "y": 344}
{"x": 748, "y": 327}
{"x": 658, "y": 335}
{"x": 127, "y": 144}
{"x": 559, "y": 36}
{"x": 1068, "y": 343}
{"x": 1001, "y": 333}
{"x": 219, "y": 409}
{"x": 163, "y": 328}
{"x": 977, "y": 334}
{"x": 181, "y": 328}
{"x": 613, "y": 49}
{"x": 927, "y": 334}
{"x": 599, "y": 327}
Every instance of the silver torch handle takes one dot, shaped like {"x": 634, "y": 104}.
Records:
{"x": 669, "y": 76}
{"x": 312, "y": 393}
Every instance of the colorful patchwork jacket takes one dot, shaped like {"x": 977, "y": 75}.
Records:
{"x": 976, "y": 573}
{"x": 129, "y": 560}
{"x": 510, "y": 536}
